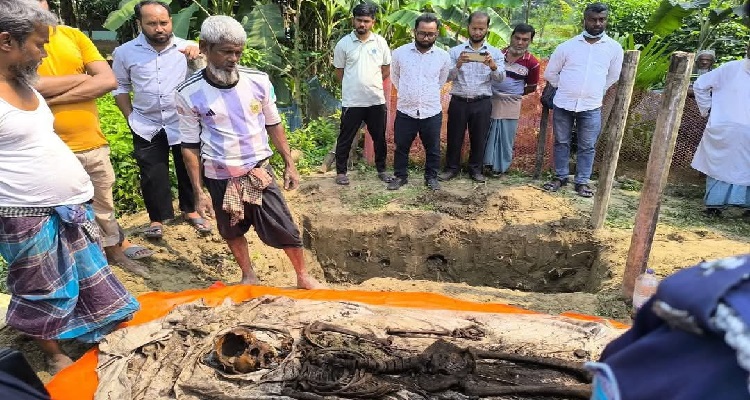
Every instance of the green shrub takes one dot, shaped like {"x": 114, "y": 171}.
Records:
{"x": 127, "y": 189}
{"x": 314, "y": 140}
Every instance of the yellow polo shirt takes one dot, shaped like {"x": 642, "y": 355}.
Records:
{"x": 68, "y": 52}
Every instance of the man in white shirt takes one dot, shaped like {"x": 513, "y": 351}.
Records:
{"x": 60, "y": 284}
{"x": 418, "y": 71}
{"x": 151, "y": 66}
{"x": 227, "y": 117}
{"x": 582, "y": 69}
{"x": 362, "y": 60}
{"x": 724, "y": 150}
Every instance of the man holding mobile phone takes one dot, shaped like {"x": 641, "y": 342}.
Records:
{"x": 474, "y": 70}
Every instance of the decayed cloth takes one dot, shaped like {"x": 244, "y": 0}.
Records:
{"x": 167, "y": 358}
{"x": 245, "y": 189}
{"x": 60, "y": 283}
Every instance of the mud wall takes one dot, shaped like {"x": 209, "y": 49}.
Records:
{"x": 559, "y": 256}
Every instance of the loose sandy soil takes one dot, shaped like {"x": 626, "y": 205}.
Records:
{"x": 474, "y": 242}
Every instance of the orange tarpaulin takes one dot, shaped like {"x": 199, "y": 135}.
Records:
{"x": 79, "y": 381}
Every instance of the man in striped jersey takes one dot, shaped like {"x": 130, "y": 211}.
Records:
{"x": 227, "y": 116}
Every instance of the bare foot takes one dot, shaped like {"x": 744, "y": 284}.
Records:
{"x": 58, "y": 362}
{"x": 308, "y": 282}
{"x": 249, "y": 279}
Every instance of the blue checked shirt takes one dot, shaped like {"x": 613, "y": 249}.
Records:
{"x": 474, "y": 79}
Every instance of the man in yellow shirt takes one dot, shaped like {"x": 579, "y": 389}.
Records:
{"x": 73, "y": 76}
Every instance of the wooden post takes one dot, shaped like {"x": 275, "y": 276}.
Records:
{"x": 541, "y": 143}
{"x": 657, "y": 170}
{"x": 614, "y": 131}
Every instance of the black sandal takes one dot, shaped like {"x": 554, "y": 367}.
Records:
{"x": 555, "y": 184}
{"x": 584, "y": 190}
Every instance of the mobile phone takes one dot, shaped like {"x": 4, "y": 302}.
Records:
{"x": 477, "y": 57}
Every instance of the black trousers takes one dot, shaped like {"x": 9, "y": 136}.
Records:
{"x": 351, "y": 120}
{"x": 476, "y": 115}
{"x": 153, "y": 160}
{"x": 405, "y": 131}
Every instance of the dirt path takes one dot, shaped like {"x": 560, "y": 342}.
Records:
{"x": 474, "y": 242}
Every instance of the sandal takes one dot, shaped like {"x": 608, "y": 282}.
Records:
{"x": 153, "y": 232}
{"x": 136, "y": 252}
{"x": 200, "y": 224}
{"x": 383, "y": 176}
{"x": 584, "y": 190}
{"x": 342, "y": 179}
{"x": 555, "y": 184}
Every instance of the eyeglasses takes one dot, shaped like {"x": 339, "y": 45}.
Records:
{"x": 426, "y": 35}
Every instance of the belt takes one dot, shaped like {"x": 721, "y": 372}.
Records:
{"x": 469, "y": 99}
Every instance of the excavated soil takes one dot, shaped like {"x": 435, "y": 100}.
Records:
{"x": 504, "y": 241}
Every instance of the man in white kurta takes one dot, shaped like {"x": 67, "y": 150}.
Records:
{"x": 724, "y": 151}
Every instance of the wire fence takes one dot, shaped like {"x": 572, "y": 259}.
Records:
{"x": 634, "y": 152}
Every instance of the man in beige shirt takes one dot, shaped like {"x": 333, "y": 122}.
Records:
{"x": 362, "y": 60}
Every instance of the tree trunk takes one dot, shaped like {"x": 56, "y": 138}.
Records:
{"x": 657, "y": 169}
{"x": 614, "y": 131}
{"x": 68, "y": 13}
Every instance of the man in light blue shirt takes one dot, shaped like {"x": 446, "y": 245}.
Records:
{"x": 151, "y": 66}
{"x": 474, "y": 70}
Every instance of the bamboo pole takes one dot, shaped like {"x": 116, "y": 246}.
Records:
{"x": 657, "y": 170}
{"x": 541, "y": 142}
{"x": 614, "y": 132}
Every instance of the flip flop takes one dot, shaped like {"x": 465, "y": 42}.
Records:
{"x": 136, "y": 252}
{"x": 153, "y": 232}
{"x": 200, "y": 224}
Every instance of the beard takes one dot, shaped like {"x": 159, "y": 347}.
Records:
{"x": 26, "y": 74}
{"x": 424, "y": 46}
{"x": 480, "y": 40}
{"x": 223, "y": 77}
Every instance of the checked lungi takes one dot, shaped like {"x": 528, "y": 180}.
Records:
{"x": 60, "y": 283}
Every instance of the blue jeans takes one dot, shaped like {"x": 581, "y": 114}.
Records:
{"x": 588, "y": 124}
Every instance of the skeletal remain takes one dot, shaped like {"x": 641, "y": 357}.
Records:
{"x": 472, "y": 332}
{"x": 573, "y": 368}
{"x": 484, "y": 389}
{"x": 240, "y": 351}
{"x": 319, "y": 327}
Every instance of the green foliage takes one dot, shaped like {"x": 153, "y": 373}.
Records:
{"x": 314, "y": 140}
{"x": 630, "y": 17}
{"x": 127, "y": 192}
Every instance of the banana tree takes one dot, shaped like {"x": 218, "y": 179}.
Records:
{"x": 672, "y": 15}
{"x": 454, "y": 16}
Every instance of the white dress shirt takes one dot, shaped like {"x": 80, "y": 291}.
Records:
{"x": 152, "y": 76}
{"x": 583, "y": 71}
{"x": 418, "y": 78}
{"x": 474, "y": 79}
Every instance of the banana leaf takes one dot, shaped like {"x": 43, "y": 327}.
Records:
{"x": 668, "y": 17}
